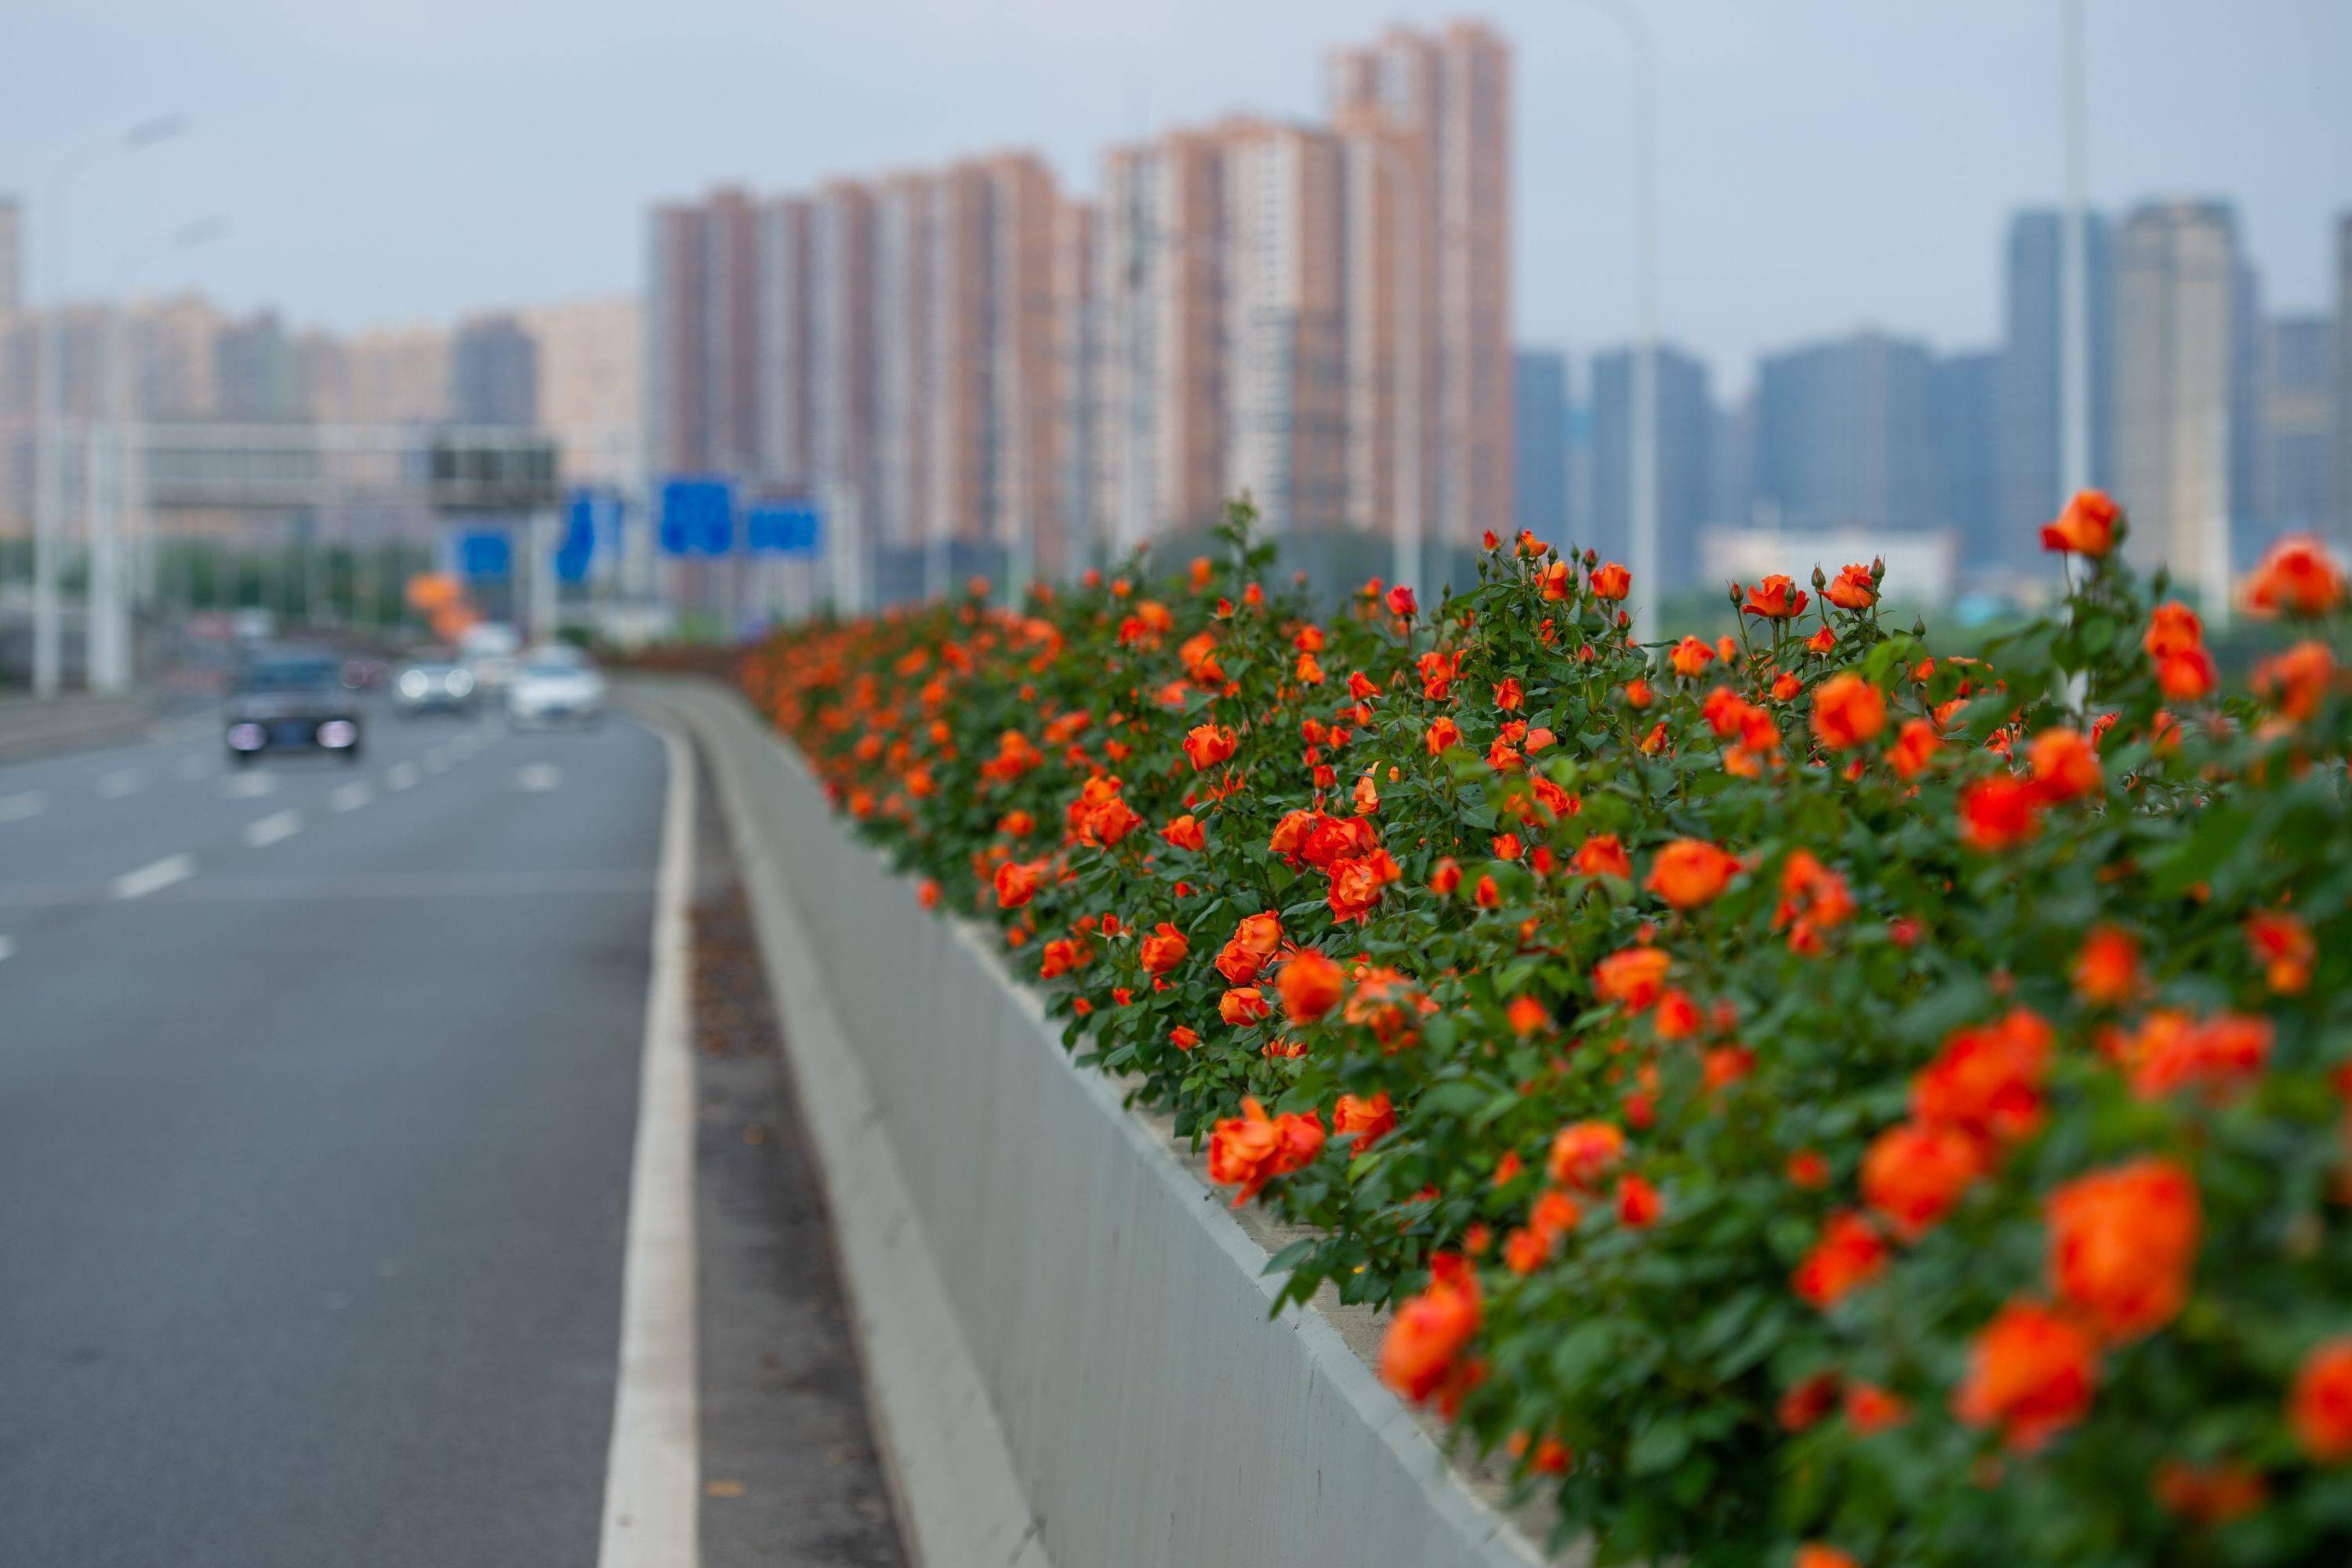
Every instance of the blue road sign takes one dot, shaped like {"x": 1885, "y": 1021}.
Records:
{"x": 591, "y": 527}
{"x": 698, "y": 516}
{"x": 784, "y": 527}
{"x": 484, "y": 557}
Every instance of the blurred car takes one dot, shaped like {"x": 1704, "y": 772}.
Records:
{"x": 555, "y": 685}
{"x": 291, "y": 701}
{"x": 488, "y": 650}
{"x": 364, "y": 672}
{"x": 433, "y": 685}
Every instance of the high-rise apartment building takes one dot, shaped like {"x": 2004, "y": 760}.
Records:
{"x": 2181, "y": 292}
{"x": 1964, "y": 441}
{"x": 2344, "y": 380}
{"x": 393, "y": 375}
{"x": 785, "y": 327}
{"x": 702, "y": 335}
{"x": 591, "y": 355}
{"x": 253, "y": 370}
{"x": 1685, "y": 428}
{"x": 2030, "y": 485}
{"x": 1447, "y": 96}
{"x": 1842, "y": 435}
{"x": 2297, "y": 429}
{"x": 1539, "y": 405}
{"x": 494, "y": 373}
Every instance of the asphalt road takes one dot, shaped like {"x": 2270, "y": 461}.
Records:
{"x": 318, "y": 1085}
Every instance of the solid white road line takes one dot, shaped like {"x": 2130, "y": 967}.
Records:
{"x": 120, "y": 782}
{"x": 271, "y": 828}
{"x": 652, "y": 1471}
{"x": 351, "y": 796}
{"x": 246, "y": 786}
{"x": 153, "y": 876}
{"x": 404, "y": 775}
{"x": 17, "y": 807}
{"x": 539, "y": 776}
{"x": 7, "y": 948}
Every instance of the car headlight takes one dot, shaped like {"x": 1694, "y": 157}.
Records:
{"x": 337, "y": 733}
{"x": 247, "y": 737}
{"x": 460, "y": 683}
{"x": 413, "y": 684}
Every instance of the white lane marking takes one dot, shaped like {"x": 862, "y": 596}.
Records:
{"x": 271, "y": 828}
{"x": 195, "y": 765}
{"x": 403, "y": 775}
{"x": 351, "y": 796}
{"x": 248, "y": 786}
{"x": 17, "y": 807}
{"x": 652, "y": 1471}
{"x": 120, "y": 782}
{"x": 539, "y": 776}
{"x": 153, "y": 876}
{"x": 7, "y": 948}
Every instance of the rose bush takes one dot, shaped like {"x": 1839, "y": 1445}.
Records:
{"x": 1806, "y": 1098}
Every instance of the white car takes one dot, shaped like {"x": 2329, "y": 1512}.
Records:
{"x": 554, "y": 686}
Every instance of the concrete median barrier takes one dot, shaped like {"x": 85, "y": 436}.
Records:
{"x": 30, "y": 726}
{"x": 1067, "y": 1334}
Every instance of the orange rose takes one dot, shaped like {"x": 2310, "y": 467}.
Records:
{"x": 2031, "y": 1373}
{"x": 2122, "y": 1243}
{"x": 1252, "y": 1148}
{"x": 1184, "y": 832}
{"x": 2297, "y": 576}
{"x": 2297, "y": 682}
{"x": 1612, "y": 581}
{"x": 2065, "y": 764}
{"x": 1209, "y": 744}
{"x": 1016, "y": 883}
{"x": 1849, "y": 1254}
{"x": 1602, "y": 856}
{"x": 1635, "y": 978}
{"x": 1915, "y": 745}
{"x": 1311, "y": 985}
{"x": 2107, "y": 971}
{"x": 1776, "y": 598}
{"x": 2282, "y": 945}
{"x": 2087, "y": 526}
{"x": 1847, "y": 711}
{"x": 1690, "y": 872}
{"x": 1638, "y": 1204}
{"x": 1913, "y": 1173}
{"x": 1363, "y": 1119}
{"x": 1183, "y": 1037}
{"x": 1854, "y": 589}
{"x": 1426, "y": 1339}
{"x": 1986, "y": 1080}
{"x": 1814, "y": 1555}
{"x": 1508, "y": 696}
{"x": 1582, "y": 1150}
{"x": 1690, "y": 657}
{"x": 1999, "y": 813}
{"x": 2320, "y": 1407}
{"x": 1243, "y": 1005}
{"x": 1163, "y": 950}
{"x": 2220, "y": 1056}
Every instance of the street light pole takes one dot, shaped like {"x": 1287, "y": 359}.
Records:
{"x": 50, "y": 498}
{"x": 1643, "y": 458}
{"x": 1411, "y": 555}
{"x": 2074, "y": 338}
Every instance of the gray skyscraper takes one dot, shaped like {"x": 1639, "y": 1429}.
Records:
{"x": 1963, "y": 400}
{"x": 2181, "y": 398}
{"x": 1843, "y": 434}
{"x": 494, "y": 373}
{"x": 2298, "y": 427}
{"x": 1685, "y": 420}
{"x": 12, "y": 256}
{"x": 1539, "y": 405}
{"x": 2030, "y": 487}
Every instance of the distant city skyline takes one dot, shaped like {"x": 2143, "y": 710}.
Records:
{"x": 1825, "y": 166}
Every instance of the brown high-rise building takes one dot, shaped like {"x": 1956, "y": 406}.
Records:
{"x": 1446, "y": 97}
{"x": 906, "y": 278}
{"x": 1073, "y": 537}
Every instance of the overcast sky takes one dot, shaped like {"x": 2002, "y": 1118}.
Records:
{"x": 1825, "y": 164}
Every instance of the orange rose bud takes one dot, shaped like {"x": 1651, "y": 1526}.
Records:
{"x": 1526, "y": 1016}
{"x": 2031, "y": 1371}
{"x": 2122, "y": 1243}
{"x": 2087, "y": 526}
{"x": 1847, "y": 711}
{"x": 1243, "y": 1005}
{"x": 1445, "y": 879}
{"x": 1582, "y": 1150}
{"x": 1690, "y": 872}
{"x": 927, "y": 894}
{"x": 1183, "y": 1037}
{"x": 1638, "y": 1204}
{"x": 2319, "y": 1409}
{"x": 1311, "y": 985}
{"x": 2283, "y": 945}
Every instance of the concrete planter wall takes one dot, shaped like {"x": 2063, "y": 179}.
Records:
{"x": 1067, "y": 1334}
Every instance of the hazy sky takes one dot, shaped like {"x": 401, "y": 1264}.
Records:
{"x": 1825, "y": 164}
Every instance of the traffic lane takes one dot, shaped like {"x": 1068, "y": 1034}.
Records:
{"x": 84, "y": 835}
{"x": 313, "y": 1235}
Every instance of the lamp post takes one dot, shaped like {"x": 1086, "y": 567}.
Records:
{"x": 2074, "y": 337}
{"x": 106, "y": 620}
{"x": 1643, "y": 460}
{"x": 49, "y": 501}
{"x": 1411, "y": 555}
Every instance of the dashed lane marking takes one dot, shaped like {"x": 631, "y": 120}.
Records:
{"x": 351, "y": 796}
{"x": 248, "y": 786}
{"x": 404, "y": 775}
{"x": 154, "y": 877}
{"x": 539, "y": 776}
{"x": 271, "y": 828}
{"x": 17, "y": 807}
{"x": 120, "y": 782}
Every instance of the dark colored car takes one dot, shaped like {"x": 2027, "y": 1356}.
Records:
{"x": 292, "y": 702}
